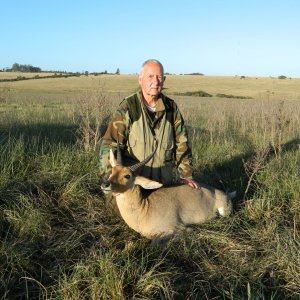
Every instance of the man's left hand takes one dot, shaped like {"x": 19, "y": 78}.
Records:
{"x": 193, "y": 184}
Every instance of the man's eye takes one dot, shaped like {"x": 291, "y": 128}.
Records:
{"x": 127, "y": 176}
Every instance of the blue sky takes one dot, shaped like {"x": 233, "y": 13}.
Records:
{"x": 214, "y": 37}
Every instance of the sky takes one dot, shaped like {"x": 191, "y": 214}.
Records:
{"x": 214, "y": 37}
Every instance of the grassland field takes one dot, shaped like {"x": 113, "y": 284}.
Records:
{"x": 274, "y": 88}
{"x": 59, "y": 238}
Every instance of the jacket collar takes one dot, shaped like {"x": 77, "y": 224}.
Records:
{"x": 160, "y": 104}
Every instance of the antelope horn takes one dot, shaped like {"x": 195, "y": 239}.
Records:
{"x": 142, "y": 163}
{"x": 119, "y": 154}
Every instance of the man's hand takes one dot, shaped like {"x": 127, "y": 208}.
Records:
{"x": 193, "y": 184}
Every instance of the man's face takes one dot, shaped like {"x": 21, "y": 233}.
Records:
{"x": 151, "y": 80}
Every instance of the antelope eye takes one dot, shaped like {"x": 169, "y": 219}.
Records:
{"x": 127, "y": 176}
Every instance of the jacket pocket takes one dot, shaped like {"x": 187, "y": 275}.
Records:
{"x": 135, "y": 148}
{"x": 169, "y": 152}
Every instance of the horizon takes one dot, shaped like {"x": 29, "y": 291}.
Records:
{"x": 118, "y": 72}
{"x": 136, "y": 74}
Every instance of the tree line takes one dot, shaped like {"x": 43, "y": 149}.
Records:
{"x": 31, "y": 69}
{"x": 24, "y": 68}
{"x": 56, "y": 74}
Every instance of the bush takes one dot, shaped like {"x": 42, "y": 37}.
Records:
{"x": 232, "y": 96}
{"x": 195, "y": 93}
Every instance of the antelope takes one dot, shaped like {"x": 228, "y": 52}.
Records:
{"x": 166, "y": 211}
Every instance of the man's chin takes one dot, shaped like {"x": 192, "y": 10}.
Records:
{"x": 154, "y": 94}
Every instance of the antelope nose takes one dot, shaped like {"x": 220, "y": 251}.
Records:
{"x": 105, "y": 184}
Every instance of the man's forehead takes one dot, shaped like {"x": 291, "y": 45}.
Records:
{"x": 152, "y": 66}
{"x": 153, "y": 72}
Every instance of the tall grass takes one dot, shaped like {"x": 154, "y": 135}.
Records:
{"x": 60, "y": 241}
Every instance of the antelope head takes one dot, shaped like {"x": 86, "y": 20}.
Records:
{"x": 123, "y": 178}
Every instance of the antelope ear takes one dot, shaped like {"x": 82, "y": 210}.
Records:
{"x": 112, "y": 158}
{"x": 147, "y": 183}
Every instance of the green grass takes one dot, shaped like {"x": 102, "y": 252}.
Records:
{"x": 60, "y": 240}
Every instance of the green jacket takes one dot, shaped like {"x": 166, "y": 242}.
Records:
{"x": 137, "y": 128}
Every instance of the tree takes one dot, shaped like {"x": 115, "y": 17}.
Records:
{"x": 15, "y": 67}
{"x": 118, "y": 71}
{"x": 25, "y": 68}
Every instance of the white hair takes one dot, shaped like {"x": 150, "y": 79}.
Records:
{"x": 152, "y": 61}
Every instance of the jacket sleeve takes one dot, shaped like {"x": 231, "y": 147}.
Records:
{"x": 183, "y": 153}
{"x": 118, "y": 126}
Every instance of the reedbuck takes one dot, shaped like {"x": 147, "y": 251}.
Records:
{"x": 166, "y": 210}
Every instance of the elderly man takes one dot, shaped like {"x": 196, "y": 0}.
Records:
{"x": 146, "y": 118}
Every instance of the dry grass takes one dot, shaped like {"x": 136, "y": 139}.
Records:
{"x": 11, "y": 75}
{"x": 58, "y": 239}
{"x": 122, "y": 84}
{"x": 258, "y": 88}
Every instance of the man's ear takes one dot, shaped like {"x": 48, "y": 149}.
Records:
{"x": 147, "y": 183}
{"x": 140, "y": 79}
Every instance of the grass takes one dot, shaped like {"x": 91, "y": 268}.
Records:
{"x": 13, "y": 75}
{"x": 257, "y": 88}
{"x": 60, "y": 240}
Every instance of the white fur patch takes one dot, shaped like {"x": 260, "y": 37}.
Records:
{"x": 221, "y": 211}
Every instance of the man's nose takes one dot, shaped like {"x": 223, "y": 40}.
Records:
{"x": 156, "y": 80}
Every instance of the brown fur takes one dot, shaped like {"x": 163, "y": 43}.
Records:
{"x": 165, "y": 211}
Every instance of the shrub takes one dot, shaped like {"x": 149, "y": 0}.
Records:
{"x": 232, "y": 96}
{"x": 195, "y": 93}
